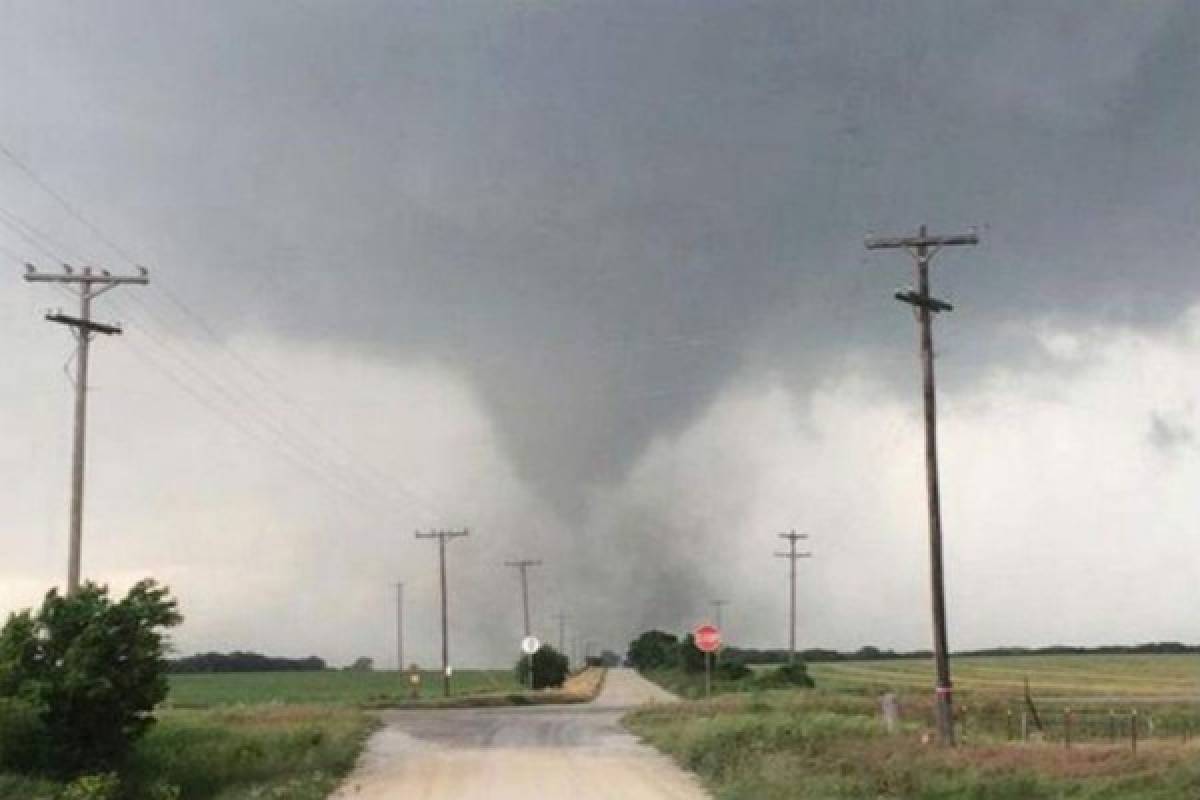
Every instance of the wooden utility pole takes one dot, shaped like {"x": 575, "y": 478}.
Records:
{"x": 442, "y": 536}
{"x": 89, "y": 284}
{"x": 524, "y": 565}
{"x": 923, "y": 248}
{"x": 717, "y": 606}
{"x": 791, "y": 555}
{"x": 399, "y": 627}
{"x": 562, "y": 633}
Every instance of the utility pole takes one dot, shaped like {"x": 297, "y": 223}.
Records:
{"x": 923, "y": 248}
{"x": 791, "y": 556}
{"x": 717, "y": 605}
{"x": 441, "y": 537}
{"x": 562, "y": 632}
{"x": 400, "y": 627}
{"x": 88, "y": 284}
{"x": 524, "y": 565}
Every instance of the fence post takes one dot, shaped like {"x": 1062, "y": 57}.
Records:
{"x": 1133, "y": 722}
{"x": 1112, "y": 726}
{"x": 1025, "y": 726}
{"x": 1008, "y": 725}
{"x": 1067, "y": 728}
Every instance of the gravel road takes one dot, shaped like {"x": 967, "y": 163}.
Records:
{"x": 577, "y": 752}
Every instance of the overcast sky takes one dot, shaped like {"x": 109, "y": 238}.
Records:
{"x": 588, "y": 278}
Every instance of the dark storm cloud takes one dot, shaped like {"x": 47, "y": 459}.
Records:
{"x": 599, "y": 212}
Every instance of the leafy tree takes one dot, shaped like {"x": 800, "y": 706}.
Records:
{"x": 550, "y": 668}
{"x": 91, "y": 668}
{"x": 654, "y": 650}
{"x": 691, "y": 658}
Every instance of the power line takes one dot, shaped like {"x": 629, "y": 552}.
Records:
{"x": 364, "y": 473}
{"x": 246, "y": 413}
{"x": 62, "y": 201}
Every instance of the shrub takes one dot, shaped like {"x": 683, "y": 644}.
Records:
{"x": 549, "y": 668}
{"x": 732, "y": 669}
{"x": 92, "y": 669}
{"x": 691, "y": 658}
{"x": 786, "y": 677}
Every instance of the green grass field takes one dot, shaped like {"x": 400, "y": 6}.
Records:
{"x": 330, "y": 687}
{"x": 253, "y": 753}
{"x": 1136, "y": 677}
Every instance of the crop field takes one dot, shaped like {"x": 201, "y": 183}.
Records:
{"x": 1135, "y": 677}
{"x": 329, "y": 687}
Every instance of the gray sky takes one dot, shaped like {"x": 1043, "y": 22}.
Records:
{"x": 589, "y": 279}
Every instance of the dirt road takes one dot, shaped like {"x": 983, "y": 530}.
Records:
{"x": 578, "y": 752}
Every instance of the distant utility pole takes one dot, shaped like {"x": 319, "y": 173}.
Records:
{"x": 717, "y": 604}
{"x": 562, "y": 632}
{"x": 89, "y": 284}
{"x": 524, "y": 565}
{"x": 399, "y": 627}
{"x": 442, "y": 536}
{"x": 923, "y": 248}
{"x": 791, "y": 556}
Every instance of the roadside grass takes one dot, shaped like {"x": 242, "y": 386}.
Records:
{"x": 253, "y": 753}
{"x": 375, "y": 689}
{"x": 691, "y": 685}
{"x": 828, "y": 745}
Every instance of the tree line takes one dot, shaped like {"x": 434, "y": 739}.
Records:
{"x": 238, "y": 661}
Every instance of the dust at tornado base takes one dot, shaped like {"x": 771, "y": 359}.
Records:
{"x": 547, "y": 752}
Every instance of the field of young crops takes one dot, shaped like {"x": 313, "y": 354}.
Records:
{"x": 329, "y": 687}
{"x": 1142, "y": 677}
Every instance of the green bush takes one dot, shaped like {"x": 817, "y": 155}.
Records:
{"x": 732, "y": 669}
{"x": 550, "y": 668}
{"x": 786, "y": 677}
{"x": 691, "y": 658}
{"x": 92, "y": 670}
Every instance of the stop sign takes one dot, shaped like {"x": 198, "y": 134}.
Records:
{"x": 708, "y": 638}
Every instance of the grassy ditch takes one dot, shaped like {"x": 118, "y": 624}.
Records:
{"x": 690, "y": 685}
{"x": 252, "y": 753}
{"x": 809, "y": 745}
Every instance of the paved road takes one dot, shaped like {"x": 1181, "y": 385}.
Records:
{"x": 578, "y": 752}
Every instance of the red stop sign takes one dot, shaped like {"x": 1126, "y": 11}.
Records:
{"x": 708, "y": 638}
